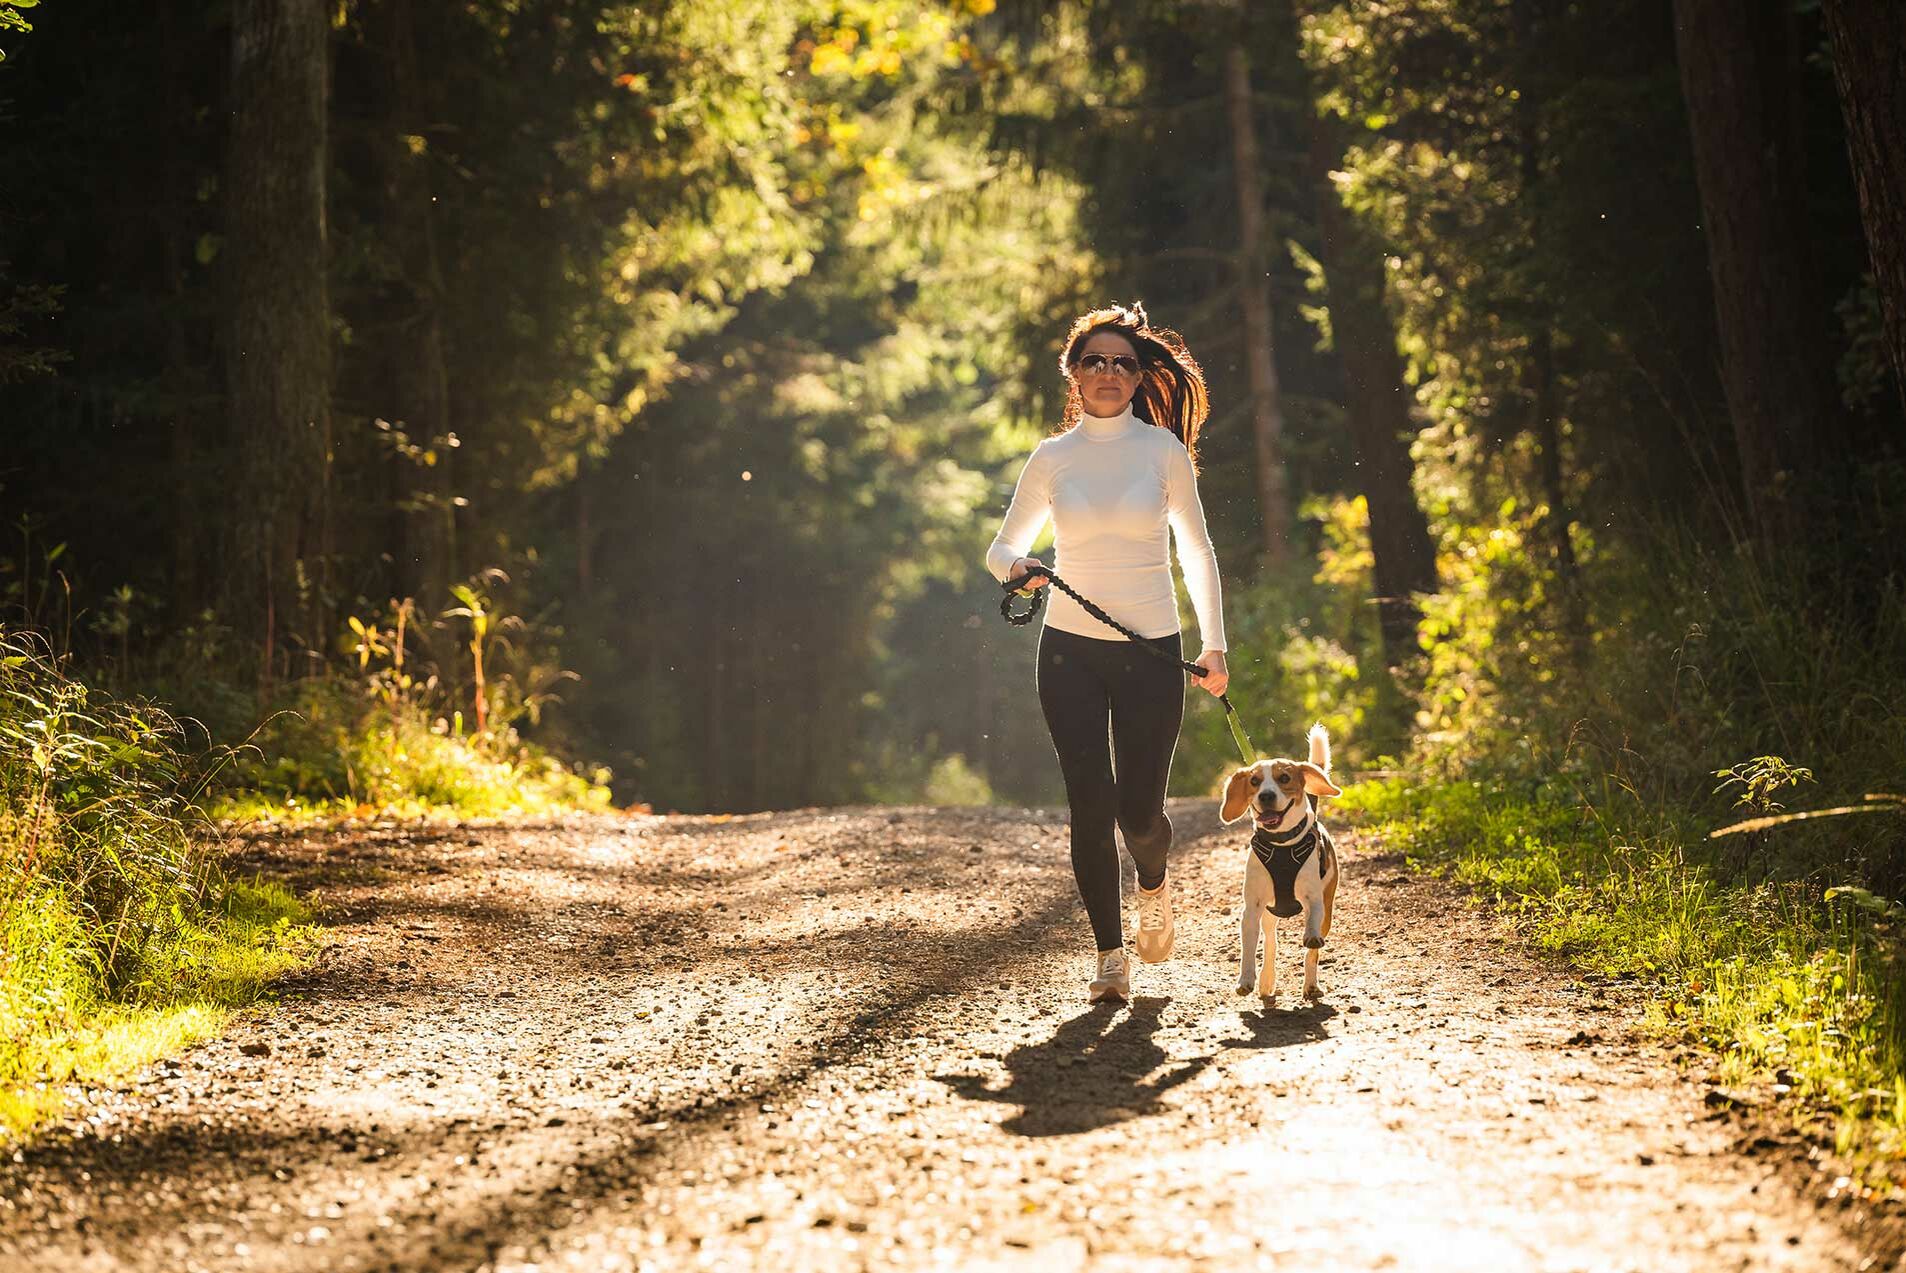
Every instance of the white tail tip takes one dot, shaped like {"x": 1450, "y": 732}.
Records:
{"x": 1320, "y": 746}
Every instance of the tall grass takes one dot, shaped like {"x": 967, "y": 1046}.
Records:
{"x": 119, "y": 938}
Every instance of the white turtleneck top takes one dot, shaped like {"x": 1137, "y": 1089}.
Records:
{"x": 1111, "y": 485}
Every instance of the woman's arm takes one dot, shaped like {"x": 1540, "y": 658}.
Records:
{"x": 1025, "y": 516}
{"x": 1196, "y": 558}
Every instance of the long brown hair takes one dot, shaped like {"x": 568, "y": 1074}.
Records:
{"x": 1171, "y": 391}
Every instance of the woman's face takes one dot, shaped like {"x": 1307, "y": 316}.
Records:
{"x": 1111, "y": 378}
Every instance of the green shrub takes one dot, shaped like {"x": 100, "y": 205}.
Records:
{"x": 953, "y": 782}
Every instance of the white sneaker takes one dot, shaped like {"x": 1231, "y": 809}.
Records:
{"x": 1115, "y": 977}
{"x": 1156, "y": 929}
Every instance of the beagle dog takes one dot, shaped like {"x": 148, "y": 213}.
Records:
{"x": 1292, "y": 866}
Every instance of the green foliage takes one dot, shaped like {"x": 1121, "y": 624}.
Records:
{"x": 1303, "y": 653}
{"x": 1758, "y": 780}
{"x": 953, "y": 782}
{"x": 1696, "y": 658}
{"x": 11, "y": 19}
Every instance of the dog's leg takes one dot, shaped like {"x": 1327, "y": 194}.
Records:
{"x": 1267, "y": 977}
{"x": 1316, "y": 911}
{"x": 1247, "y": 942}
{"x": 1313, "y": 923}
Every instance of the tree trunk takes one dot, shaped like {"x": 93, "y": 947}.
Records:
{"x": 1869, "y": 65}
{"x": 1739, "y": 67}
{"x": 585, "y": 533}
{"x": 187, "y": 524}
{"x": 278, "y": 361}
{"x": 1538, "y": 372}
{"x": 1376, "y": 405}
{"x": 423, "y": 378}
{"x": 712, "y": 675}
{"x": 1267, "y": 420}
{"x": 760, "y": 697}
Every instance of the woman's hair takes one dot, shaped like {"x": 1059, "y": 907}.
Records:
{"x": 1171, "y": 391}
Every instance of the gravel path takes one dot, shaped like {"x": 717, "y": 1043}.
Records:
{"x": 837, "y": 1039}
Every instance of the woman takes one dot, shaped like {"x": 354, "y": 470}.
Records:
{"x": 1117, "y": 473}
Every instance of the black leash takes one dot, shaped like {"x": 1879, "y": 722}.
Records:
{"x": 1014, "y": 586}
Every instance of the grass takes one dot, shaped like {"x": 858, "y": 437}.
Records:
{"x": 120, "y": 940}
{"x": 61, "y": 1030}
{"x": 1790, "y": 988}
{"x": 336, "y": 753}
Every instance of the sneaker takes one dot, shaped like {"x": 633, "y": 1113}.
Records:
{"x": 1156, "y": 929}
{"x": 1115, "y": 978}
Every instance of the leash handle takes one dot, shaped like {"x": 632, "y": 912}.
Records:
{"x": 1017, "y": 587}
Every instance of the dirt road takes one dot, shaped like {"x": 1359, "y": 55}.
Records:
{"x": 858, "y": 1038}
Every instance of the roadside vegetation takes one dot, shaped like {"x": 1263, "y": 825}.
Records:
{"x": 120, "y": 938}
{"x": 1708, "y": 796}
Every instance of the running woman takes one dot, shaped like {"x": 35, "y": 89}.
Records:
{"x": 1119, "y": 471}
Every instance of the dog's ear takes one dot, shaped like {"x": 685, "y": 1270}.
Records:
{"x": 1238, "y": 793}
{"x": 1316, "y": 782}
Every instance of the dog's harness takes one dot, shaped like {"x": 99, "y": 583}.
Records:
{"x": 1284, "y": 858}
{"x": 1012, "y": 586}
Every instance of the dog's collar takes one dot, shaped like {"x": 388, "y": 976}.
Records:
{"x": 1270, "y": 831}
{"x": 1306, "y": 830}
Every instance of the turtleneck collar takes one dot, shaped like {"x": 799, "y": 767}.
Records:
{"x": 1105, "y": 428}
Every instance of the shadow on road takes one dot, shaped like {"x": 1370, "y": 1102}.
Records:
{"x": 1100, "y": 1067}
{"x": 1271, "y": 1028}
{"x": 1104, "y": 1066}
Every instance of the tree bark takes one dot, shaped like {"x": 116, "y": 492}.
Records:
{"x": 1545, "y": 407}
{"x": 423, "y": 377}
{"x": 1869, "y": 65}
{"x": 585, "y": 536}
{"x": 760, "y": 696}
{"x": 1739, "y": 69}
{"x": 187, "y": 522}
{"x": 278, "y": 361}
{"x": 1376, "y": 405}
{"x": 1267, "y": 419}
{"x": 712, "y": 675}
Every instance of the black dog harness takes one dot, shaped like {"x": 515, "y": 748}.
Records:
{"x": 1285, "y": 857}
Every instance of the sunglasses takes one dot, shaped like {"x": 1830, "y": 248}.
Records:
{"x": 1099, "y": 364}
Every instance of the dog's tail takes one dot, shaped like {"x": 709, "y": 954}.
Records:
{"x": 1320, "y": 747}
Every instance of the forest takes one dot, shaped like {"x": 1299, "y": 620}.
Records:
{"x": 492, "y": 408}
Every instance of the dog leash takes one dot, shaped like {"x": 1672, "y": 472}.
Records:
{"x": 1018, "y": 587}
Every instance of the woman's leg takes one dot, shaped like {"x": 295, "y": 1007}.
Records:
{"x": 1077, "y": 704}
{"x": 1148, "y": 706}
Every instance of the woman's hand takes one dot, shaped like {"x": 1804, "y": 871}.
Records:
{"x": 1021, "y": 566}
{"x": 1217, "y": 675}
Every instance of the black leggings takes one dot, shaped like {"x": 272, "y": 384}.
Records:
{"x": 1082, "y": 682}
